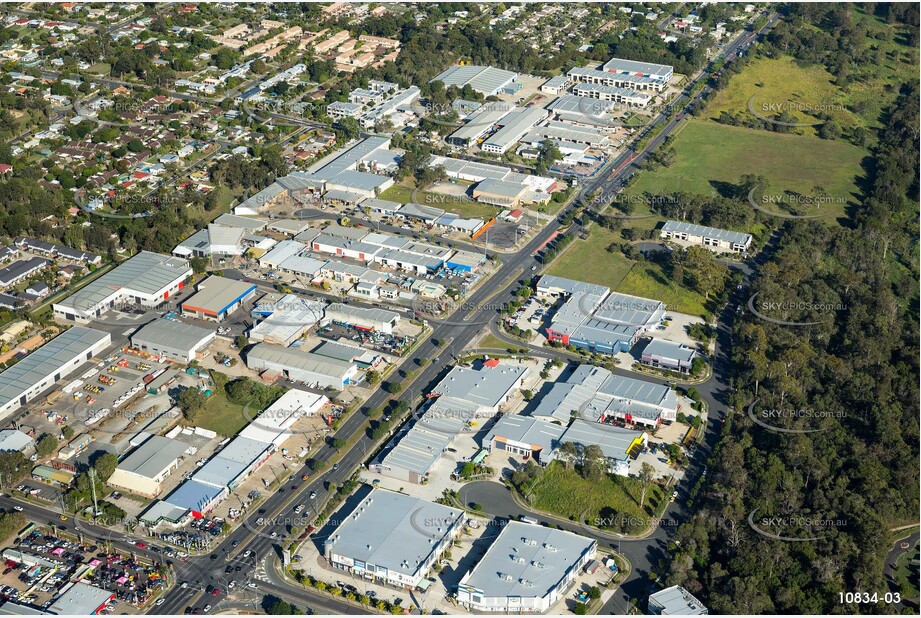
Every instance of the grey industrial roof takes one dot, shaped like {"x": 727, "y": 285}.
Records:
{"x": 393, "y": 530}
{"x": 594, "y": 391}
{"x": 282, "y": 251}
{"x": 153, "y": 456}
{"x": 216, "y": 293}
{"x": 370, "y": 314}
{"x": 297, "y": 359}
{"x": 171, "y": 333}
{"x": 633, "y": 66}
{"x": 641, "y": 391}
{"x": 484, "y": 387}
{"x": 163, "y": 510}
{"x": 81, "y": 599}
{"x": 583, "y": 109}
{"x": 14, "y": 440}
{"x": 243, "y": 450}
{"x": 556, "y": 81}
{"x": 338, "y": 351}
{"x": 220, "y": 471}
{"x": 501, "y": 188}
{"x": 626, "y": 93}
{"x": 527, "y": 430}
{"x": 568, "y": 132}
{"x": 47, "y": 360}
{"x": 350, "y": 157}
{"x": 421, "y": 211}
{"x": 614, "y": 441}
{"x": 485, "y": 80}
{"x": 467, "y": 258}
{"x": 707, "y": 232}
{"x": 341, "y": 195}
{"x": 404, "y": 257}
{"x": 515, "y": 125}
{"x": 478, "y": 122}
{"x": 289, "y": 226}
{"x": 596, "y": 74}
{"x": 304, "y": 264}
{"x": 676, "y": 601}
{"x": 384, "y": 205}
{"x": 669, "y": 349}
{"x": 247, "y": 223}
{"x": 569, "y": 286}
{"x": 562, "y": 400}
{"x": 145, "y": 273}
{"x": 527, "y": 561}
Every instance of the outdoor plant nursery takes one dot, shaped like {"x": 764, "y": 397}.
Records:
{"x": 487, "y": 308}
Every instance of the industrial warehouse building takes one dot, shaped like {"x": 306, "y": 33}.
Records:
{"x": 311, "y": 369}
{"x": 712, "y": 238}
{"x": 462, "y": 397}
{"x": 595, "y": 394}
{"x": 540, "y": 439}
{"x": 57, "y": 359}
{"x": 526, "y": 570}
{"x": 659, "y": 72}
{"x": 676, "y": 601}
{"x": 15, "y": 441}
{"x": 488, "y": 81}
{"x": 81, "y": 599}
{"x": 593, "y": 318}
{"x": 393, "y": 538}
{"x": 526, "y": 436}
{"x": 361, "y": 318}
{"x": 172, "y": 339}
{"x": 144, "y": 470}
{"x": 216, "y": 297}
{"x": 236, "y": 461}
{"x": 286, "y": 320}
{"x": 147, "y": 280}
{"x": 668, "y": 355}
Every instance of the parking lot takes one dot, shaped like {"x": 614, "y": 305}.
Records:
{"x": 49, "y": 562}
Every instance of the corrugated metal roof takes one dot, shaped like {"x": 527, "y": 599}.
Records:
{"x": 172, "y": 334}
{"x": 152, "y": 457}
{"x": 48, "y": 360}
{"x": 146, "y": 273}
{"x": 738, "y": 238}
{"x": 394, "y": 531}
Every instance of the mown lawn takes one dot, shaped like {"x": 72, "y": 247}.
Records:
{"x": 563, "y": 492}
{"x": 221, "y": 415}
{"x": 588, "y": 260}
{"x": 708, "y": 154}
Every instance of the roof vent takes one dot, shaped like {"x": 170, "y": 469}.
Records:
{"x": 549, "y": 547}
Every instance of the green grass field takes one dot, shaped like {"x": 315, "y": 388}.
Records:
{"x": 646, "y": 279}
{"x": 708, "y": 153}
{"x": 588, "y": 260}
{"x": 562, "y": 491}
{"x": 781, "y": 81}
{"x": 221, "y": 415}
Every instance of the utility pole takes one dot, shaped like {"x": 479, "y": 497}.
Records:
{"x": 93, "y": 487}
